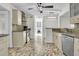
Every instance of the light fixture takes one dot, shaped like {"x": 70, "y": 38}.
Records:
{"x": 51, "y": 17}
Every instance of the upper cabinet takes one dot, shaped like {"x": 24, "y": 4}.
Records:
{"x": 23, "y": 19}
{"x": 71, "y": 10}
{"x": 74, "y": 12}
{"x": 16, "y": 17}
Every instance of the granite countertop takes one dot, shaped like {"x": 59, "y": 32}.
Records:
{"x": 21, "y": 30}
{"x": 18, "y": 31}
{"x": 3, "y": 35}
{"x": 69, "y": 32}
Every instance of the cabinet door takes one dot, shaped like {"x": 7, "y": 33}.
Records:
{"x": 18, "y": 40}
{"x": 76, "y": 47}
{"x": 71, "y": 10}
{"x": 19, "y": 18}
{"x": 16, "y": 17}
{"x": 49, "y": 36}
{"x": 59, "y": 41}
{"x": 76, "y": 9}
{"x": 3, "y": 46}
{"x": 74, "y": 12}
{"x": 24, "y": 24}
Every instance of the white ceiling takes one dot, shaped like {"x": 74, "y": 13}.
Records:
{"x": 58, "y": 8}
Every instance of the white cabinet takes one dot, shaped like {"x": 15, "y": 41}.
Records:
{"x": 74, "y": 12}
{"x": 16, "y": 17}
{"x": 17, "y": 27}
{"x": 76, "y": 46}
{"x": 71, "y": 9}
{"x": 4, "y": 46}
{"x": 57, "y": 40}
{"x": 18, "y": 39}
{"x": 49, "y": 38}
{"x": 50, "y": 22}
{"x": 60, "y": 41}
{"x": 74, "y": 9}
{"x": 24, "y": 23}
{"x": 24, "y": 20}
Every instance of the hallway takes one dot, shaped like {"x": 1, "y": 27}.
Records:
{"x": 36, "y": 48}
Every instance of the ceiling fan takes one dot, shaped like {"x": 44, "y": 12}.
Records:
{"x": 40, "y": 6}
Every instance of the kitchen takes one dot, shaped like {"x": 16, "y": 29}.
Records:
{"x": 69, "y": 36}
{"x": 56, "y": 22}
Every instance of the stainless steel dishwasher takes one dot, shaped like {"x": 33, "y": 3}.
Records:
{"x": 68, "y": 45}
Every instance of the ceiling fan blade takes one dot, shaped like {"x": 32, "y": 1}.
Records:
{"x": 39, "y": 4}
{"x": 51, "y": 6}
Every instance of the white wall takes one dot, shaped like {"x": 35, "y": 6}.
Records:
{"x": 38, "y": 19}
{"x": 48, "y": 24}
{"x": 9, "y": 8}
{"x": 4, "y": 22}
{"x": 65, "y": 20}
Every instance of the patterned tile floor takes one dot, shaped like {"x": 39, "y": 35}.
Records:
{"x": 36, "y": 48}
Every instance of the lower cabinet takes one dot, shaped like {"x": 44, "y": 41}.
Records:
{"x": 76, "y": 47}
{"x": 57, "y": 40}
{"x": 49, "y": 37}
{"x": 4, "y": 46}
{"x": 18, "y": 39}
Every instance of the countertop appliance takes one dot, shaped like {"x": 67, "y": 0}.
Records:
{"x": 68, "y": 45}
{"x": 27, "y": 32}
{"x": 25, "y": 28}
